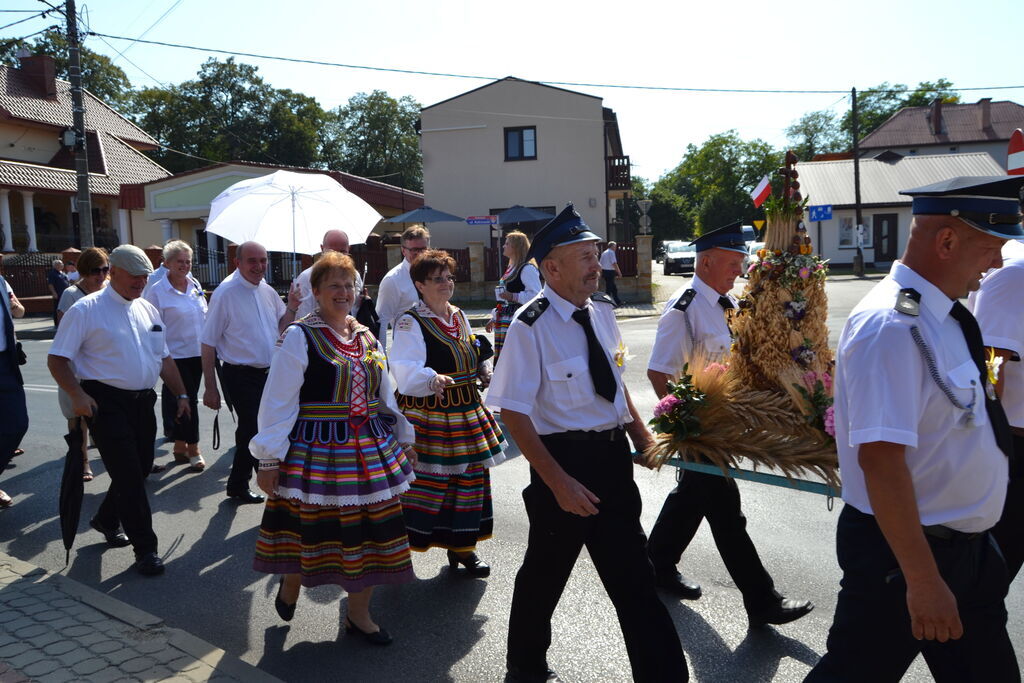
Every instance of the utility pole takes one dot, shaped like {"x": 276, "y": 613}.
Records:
{"x": 858, "y": 260}
{"x": 83, "y": 202}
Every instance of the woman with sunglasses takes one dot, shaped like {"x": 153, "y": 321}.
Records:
{"x": 93, "y": 269}
{"x": 437, "y": 362}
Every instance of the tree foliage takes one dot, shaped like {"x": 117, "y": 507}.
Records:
{"x": 100, "y": 75}
{"x": 875, "y": 105}
{"x": 374, "y": 135}
{"x": 815, "y": 132}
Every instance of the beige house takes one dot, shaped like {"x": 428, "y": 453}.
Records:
{"x": 520, "y": 142}
{"x": 37, "y": 175}
{"x": 885, "y": 213}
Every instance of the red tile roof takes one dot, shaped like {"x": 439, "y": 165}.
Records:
{"x": 20, "y": 99}
{"x": 961, "y": 123}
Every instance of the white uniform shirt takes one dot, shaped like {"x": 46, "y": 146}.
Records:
{"x": 279, "y": 406}
{"x": 884, "y": 391}
{"x": 396, "y": 295}
{"x": 544, "y": 372}
{"x": 673, "y": 345}
{"x": 183, "y": 313}
{"x": 156, "y": 276}
{"x": 112, "y": 340}
{"x": 308, "y": 302}
{"x": 242, "y": 322}
{"x": 608, "y": 260}
{"x": 1000, "y": 312}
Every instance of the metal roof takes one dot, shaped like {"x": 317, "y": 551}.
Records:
{"x": 831, "y": 182}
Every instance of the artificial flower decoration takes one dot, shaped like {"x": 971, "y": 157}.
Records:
{"x": 993, "y": 364}
{"x": 621, "y": 355}
{"x": 376, "y": 357}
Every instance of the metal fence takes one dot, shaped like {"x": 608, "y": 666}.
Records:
{"x": 461, "y": 257}
{"x": 625, "y": 254}
{"x": 492, "y": 264}
{"x": 375, "y": 261}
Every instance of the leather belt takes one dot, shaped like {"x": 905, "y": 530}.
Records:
{"x": 249, "y": 368}
{"x": 947, "y": 534}
{"x": 614, "y": 434}
{"x": 92, "y": 384}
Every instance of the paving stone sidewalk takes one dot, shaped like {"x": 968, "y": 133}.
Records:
{"x": 55, "y": 629}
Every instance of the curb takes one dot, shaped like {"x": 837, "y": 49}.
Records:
{"x": 214, "y": 657}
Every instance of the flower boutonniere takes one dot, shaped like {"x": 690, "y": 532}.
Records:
{"x": 622, "y": 355}
{"x": 474, "y": 341}
{"x": 993, "y": 364}
{"x": 376, "y": 357}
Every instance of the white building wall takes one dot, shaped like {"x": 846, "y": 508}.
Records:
{"x": 464, "y": 167}
{"x": 828, "y": 245}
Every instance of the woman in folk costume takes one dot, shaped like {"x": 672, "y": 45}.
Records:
{"x": 519, "y": 284}
{"x": 437, "y": 361}
{"x": 335, "y": 452}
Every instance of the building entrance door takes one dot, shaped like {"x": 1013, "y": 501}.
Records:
{"x": 886, "y": 237}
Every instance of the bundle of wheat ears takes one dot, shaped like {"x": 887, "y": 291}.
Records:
{"x": 753, "y": 408}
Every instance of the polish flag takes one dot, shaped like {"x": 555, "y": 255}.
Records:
{"x": 761, "y": 192}
{"x": 1015, "y": 156}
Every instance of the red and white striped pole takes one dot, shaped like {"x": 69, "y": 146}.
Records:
{"x": 1015, "y": 155}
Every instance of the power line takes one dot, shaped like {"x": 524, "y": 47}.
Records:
{"x": 151, "y": 27}
{"x": 36, "y": 15}
{"x": 749, "y": 91}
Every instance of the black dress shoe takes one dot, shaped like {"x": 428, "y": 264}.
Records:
{"x": 378, "y": 637}
{"x": 473, "y": 564}
{"x": 114, "y": 536}
{"x": 284, "y": 610}
{"x": 149, "y": 564}
{"x": 677, "y": 584}
{"x": 782, "y": 612}
{"x": 517, "y": 675}
{"x": 246, "y": 497}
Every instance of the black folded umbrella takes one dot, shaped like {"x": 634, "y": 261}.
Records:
{"x": 72, "y": 489}
{"x": 226, "y": 397}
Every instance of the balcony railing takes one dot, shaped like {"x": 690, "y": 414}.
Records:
{"x": 618, "y": 173}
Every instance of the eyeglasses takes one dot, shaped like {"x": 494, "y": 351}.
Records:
{"x": 441, "y": 279}
{"x": 415, "y": 250}
{"x": 97, "y": 271}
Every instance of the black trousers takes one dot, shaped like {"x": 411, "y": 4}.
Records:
{"x": 245, "y": 386}
{"x": 1009, "y": 532}
{"x": 609, "y": 286}
{"x": 13, "y": 411}
{"x": 124, "y": 428}
{"x": 870, "y": 638}
{"x": 187, "y": 430}
{"x": 616, "y": 544}
{"x": 699, "y": 496}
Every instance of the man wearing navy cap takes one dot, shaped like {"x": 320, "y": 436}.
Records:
{"x": 564, "y": 401}
{"x": 693, "y": 326}
{"x": 923, "y": 448}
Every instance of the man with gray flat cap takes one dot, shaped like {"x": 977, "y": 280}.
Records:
{"x": 924, "y": 446}
{"x": 113, "y": 341}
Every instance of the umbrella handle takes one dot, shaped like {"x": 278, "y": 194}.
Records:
{"x": 216, "y": 431}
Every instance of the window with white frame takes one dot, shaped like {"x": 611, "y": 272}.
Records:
{"x": 848, "y": 234}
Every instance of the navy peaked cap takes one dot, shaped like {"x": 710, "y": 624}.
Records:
{"x": 728, "y": 237}
{"x": 989, "y": 203}
{"x": 565, "y": 228}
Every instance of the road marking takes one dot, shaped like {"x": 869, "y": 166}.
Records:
{"x": 629, "y": 320}
{"x": 41, "y": 387}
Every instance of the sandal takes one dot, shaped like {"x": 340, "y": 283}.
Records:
{"x": 157, "y": 468}
{"x": 180, "y": 456}
{"x": 196, "y": 462}
{"x": 87, "y": 475}
{"x": 5, "y": 500}
{"x": 19, "y": 451}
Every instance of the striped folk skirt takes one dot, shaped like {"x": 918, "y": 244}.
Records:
{"x": 506, "y": 312}
{"x": 353, "y": 547}
{"x": 449, "y": 511}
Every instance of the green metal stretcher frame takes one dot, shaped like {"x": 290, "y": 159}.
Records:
{"x": 758, "y": 477}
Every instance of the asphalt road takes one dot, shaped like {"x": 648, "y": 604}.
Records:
{"x": 446, "y": 628}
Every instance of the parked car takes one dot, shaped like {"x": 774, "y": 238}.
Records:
{"x": 679, "y": 258}
{"x": 751, "y": 256}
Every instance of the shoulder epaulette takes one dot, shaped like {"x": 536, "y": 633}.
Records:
{"x": 530, "y": 314}
{"x": 909, "y": 302}
{"x": 602, "y": 297}
{"x": 685, "y": 300}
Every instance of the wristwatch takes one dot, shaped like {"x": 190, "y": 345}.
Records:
{"x": 182, "y": 396}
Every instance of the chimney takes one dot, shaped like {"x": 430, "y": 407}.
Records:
{"x": 937, "y": 116}
{"x": 42, "y": 73}
{"x": 986, "y": 112}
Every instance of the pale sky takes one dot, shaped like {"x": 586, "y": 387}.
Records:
{"x": 743, "y": 44}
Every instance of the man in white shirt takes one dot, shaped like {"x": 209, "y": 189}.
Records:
{"x": 693, "y": 328}
{"x": 335, "y": 240}
{"x": 923, "y": 445}
{"x": 397, "y": 293}
{"x": 609, "y": 271}
{"x": 245, "y": 318}
{"x": 999, "y": 307}
{"x": 568, "y": 410}
{"x": 113, "y": 340}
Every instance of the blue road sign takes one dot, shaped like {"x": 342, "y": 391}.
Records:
{"x": 823, "y": 212}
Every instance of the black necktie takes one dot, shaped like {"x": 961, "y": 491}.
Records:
{"x": 600, "y": 370}
{"x": 996, "y": 415}
{"x": 725, "y": 303}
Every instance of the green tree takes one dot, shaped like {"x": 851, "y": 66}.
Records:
{"x": 711, "y": 186}
{"x": 875, "y": 105}
{"x": 374, "y": 135}
{"x": 816, "y": 132}
{"x": 100, "y": 75}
